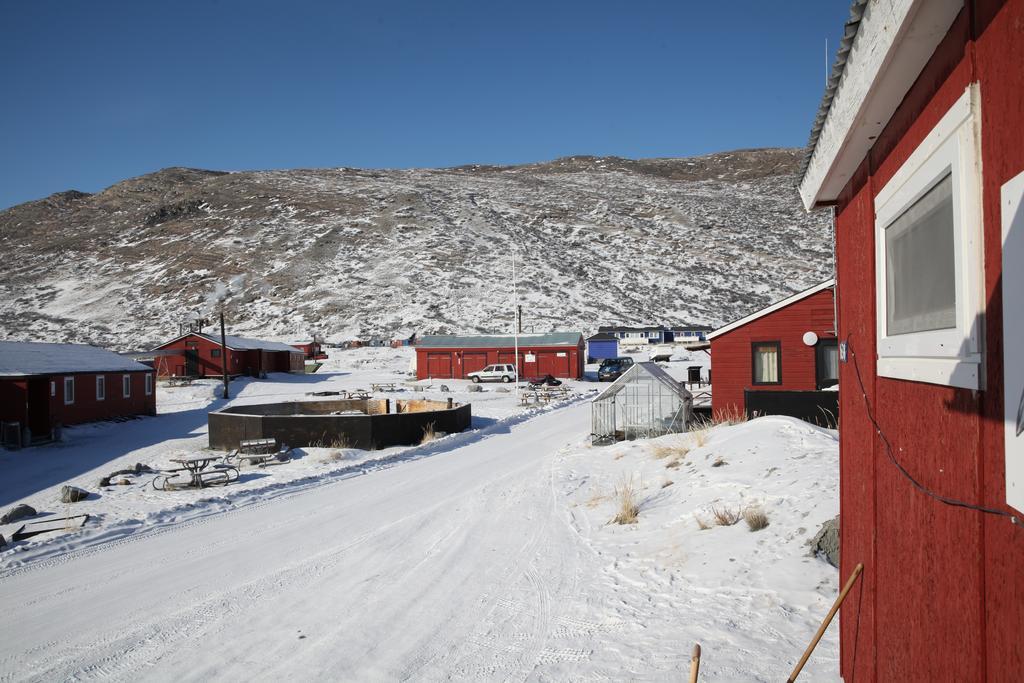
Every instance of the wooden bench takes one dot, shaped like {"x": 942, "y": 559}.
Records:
{"x": 257, "y": 447}
{"x": 383, "y": 386}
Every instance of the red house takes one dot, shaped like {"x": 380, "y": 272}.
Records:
{"x": 311, "y": 350}
{"x": 789, "y": 346}
{"x": 46, "y": 385}
{"x": 919, "y": 150}
{"x": 199, "y": 355}
{"x": 451, "y": 357}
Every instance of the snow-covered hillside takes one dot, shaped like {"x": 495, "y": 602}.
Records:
{"x": 350, "y": 252}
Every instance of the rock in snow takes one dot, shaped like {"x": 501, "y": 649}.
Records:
{"x": 72, "y": 494}
{"x": 17, "y": 512}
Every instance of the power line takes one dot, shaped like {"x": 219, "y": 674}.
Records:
{"x": 955, "y": 502}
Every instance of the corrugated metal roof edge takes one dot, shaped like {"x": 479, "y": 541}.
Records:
{"x": 850, "y": 30}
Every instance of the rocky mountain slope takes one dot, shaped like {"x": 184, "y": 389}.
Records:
{"x": 348, "y": 252}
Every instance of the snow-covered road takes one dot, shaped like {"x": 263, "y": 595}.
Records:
{"x": 455, "y": 565}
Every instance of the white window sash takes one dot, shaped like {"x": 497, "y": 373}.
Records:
{"x": 69, "y": 390}
{"x": 126, "y": 386}
{"x": 947, "y": 356}
{"x": 101, "y": 388}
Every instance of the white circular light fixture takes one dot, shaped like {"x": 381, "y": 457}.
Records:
{"x": 810, "y": 338}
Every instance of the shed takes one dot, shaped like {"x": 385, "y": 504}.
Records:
{"x": 199, "y": 355}
{"x": 43, "y": 386}
{"x": 451, "y": 357}
{"x": 602, "y": 345}
{"x": 917, "y": 149}
{"x": 644, "y": 402}
{"x": 777, "y": 360}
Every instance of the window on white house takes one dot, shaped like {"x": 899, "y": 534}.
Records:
{"x": 767, "y": 359}
{"x": 928, "y": 262}
{"x": 126, "y": 385}
{"x": 69, "y": 390}
{"x": 101, "y": 388}
{"x": 149, "y": 384}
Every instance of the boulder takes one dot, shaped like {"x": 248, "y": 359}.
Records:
{"x": 473, "y": 388}
{"x": 17, "y": 512}
{"x": 72, "y": 494}
{"x": 826, "y": 542}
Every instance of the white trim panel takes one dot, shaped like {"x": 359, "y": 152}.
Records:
{"x": 939, "y": 356}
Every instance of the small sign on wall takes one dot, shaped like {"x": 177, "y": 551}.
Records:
{"x": 560, "y": 355}
{"x": 531, "y": 358}
{"x": 1011, "y": 204}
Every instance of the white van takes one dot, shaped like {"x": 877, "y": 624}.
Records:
{"x": 501, "y": 372}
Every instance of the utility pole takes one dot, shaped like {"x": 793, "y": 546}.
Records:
{"x": 520, "y": 311}
{"x": 224, "y": 353}
{"x": 515, "y": 301}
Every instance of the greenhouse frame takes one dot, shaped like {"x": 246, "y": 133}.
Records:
{"x": 644, "y": 402}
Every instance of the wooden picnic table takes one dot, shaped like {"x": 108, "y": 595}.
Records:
{"x": 383, "y": 386}
{"x": 196, "y": 464}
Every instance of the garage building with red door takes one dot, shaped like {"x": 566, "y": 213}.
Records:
{"x": 451, "y": 357}
{"x": 43, "y": 386}
{"x": 199, "y": 355}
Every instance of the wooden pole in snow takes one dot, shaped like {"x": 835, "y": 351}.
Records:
{"x": 695, "y": 663}
{"x": 828, "y": 620}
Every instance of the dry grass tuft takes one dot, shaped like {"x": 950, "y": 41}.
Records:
{"x": 673, "y": 464}
{"x": 755, "y": 517}
{"x": 700, "y": 433}
{"x": 702, "y": 523}
{"x": 666, "y": 451}
{"x": 730, "y": 416}
{"x": 667, "y": 483}
{"x": 725, "y": 516}
{"x": 719, "y": 461}
{"x": 629, "y": 506}
{"x": 428, "y": 433}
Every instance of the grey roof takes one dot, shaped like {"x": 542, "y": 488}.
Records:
{"x": 648, "y": 368}
{"x": 20, "y": 359}
{"x": 241, "y": 343}
{"x": 838, "y": 68}
{"x": 602, "y": 336}
{"x": 446, "y": 341}
{"x": 627, "y": 328}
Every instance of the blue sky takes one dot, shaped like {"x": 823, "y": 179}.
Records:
{"x": 95, "y": 92}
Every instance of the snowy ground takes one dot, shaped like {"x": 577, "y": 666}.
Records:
{"x": 485, "y": 555}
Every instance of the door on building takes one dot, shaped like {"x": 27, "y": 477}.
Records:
{"x": 192, "y": 359}
{"x": 473, "y": 362}
{"x": 827, "y": 363}
{"x": 39, "y": 406}
{"x": 439, "y": 365}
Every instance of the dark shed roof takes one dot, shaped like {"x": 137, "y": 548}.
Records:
{"x": 444, "y": 341}
{"x": 21, "y": 359}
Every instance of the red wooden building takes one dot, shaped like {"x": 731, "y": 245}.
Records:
{"x": 311, "y": 350}
{"x": 788, "y": 346}
{"x": 451, "y": 357}
{"x": 46, "y": 385}
{"x": 919, "y": 149}
{"x": 199, "y": 355}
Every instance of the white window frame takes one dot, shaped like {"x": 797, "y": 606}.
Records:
{"x": 69, "y": 395}
{"x": 53, "y": 388}
{"x": 101, "y": 387}
{"x": 953, "y": 356}
{"x": 126, "y": 386}
{"x": 149, "y": 384}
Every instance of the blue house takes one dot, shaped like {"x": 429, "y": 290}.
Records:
{"x": 602, "y": 345}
